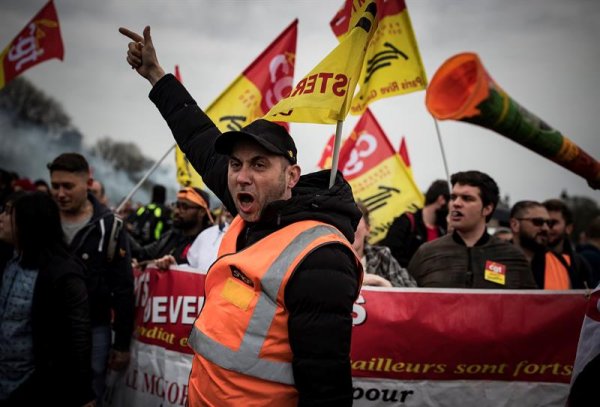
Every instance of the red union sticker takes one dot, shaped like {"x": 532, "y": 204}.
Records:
{"x": 495, "y": 272}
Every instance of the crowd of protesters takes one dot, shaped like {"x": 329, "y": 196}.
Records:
{"x": 66, "y": 264}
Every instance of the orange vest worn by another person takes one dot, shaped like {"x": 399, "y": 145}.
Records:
{"x": 556, "y": 273}
{"x": 242, "y": 355}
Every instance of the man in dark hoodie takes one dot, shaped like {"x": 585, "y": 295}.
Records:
{"x": 276, "y": 324}
{"x": 95, "y": 235}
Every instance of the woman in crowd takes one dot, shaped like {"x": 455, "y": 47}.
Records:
{"x": 45, "y": 334}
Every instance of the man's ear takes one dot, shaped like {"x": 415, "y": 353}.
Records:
{"x": 293, "y": 172}
{"x": 90, "y": 181}
{"x": 515, "y": 226}
{"x": 569, "y": 229}
{"x": 487, "y": 210}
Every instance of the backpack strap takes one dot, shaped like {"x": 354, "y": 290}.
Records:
{"x": 113, "y": 238}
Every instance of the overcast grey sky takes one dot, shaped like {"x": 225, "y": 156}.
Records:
{"x": 544, "y": 53}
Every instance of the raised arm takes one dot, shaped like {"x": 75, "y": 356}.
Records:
{"x": 141, "y": 55}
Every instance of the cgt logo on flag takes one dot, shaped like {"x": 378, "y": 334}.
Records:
{"x": 324, "y": 94}
{"x": 267, "y": 80}
{"x": 39, "y": 41}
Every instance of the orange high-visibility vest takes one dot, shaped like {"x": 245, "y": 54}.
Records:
{"x": 242, "y": 355}
{"x": 556, "y": 275}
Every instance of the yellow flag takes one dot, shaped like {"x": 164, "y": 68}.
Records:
{"x": 393, "y": 63}
{"x": 262, "y": 84}
{"x": 324, "y": 95}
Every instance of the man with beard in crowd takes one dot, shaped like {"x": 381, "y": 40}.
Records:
{"x": 190, "y": 217}
{"x": 411, "y": 230}
{"x": 469, "y": 257}
{"x": 531, "y": 223}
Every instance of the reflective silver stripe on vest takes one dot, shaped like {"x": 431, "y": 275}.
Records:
{"x": 246, "y": 360}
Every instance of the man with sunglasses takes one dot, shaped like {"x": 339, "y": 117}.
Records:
{"x": 191, "y": 215}
{"x": 531, "y": 224}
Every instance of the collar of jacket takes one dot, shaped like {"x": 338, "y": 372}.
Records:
{"x": 482, "y": 240}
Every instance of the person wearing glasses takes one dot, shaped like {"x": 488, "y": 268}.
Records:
{"x": 191, "y": 215}
{"x": 531, "y": 223}
{"x": 559, "y": 243}
{"x": 469, "y": 257}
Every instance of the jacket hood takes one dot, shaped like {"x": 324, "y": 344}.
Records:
{"x": 100, "y": 211}
{"x": 312, "y": 199}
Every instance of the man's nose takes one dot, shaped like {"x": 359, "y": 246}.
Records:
{"x": 244, "y": 175}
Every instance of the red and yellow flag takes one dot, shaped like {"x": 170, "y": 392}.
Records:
{"x": 327, "y": 155}
{"x": 403, "y": 152}
{"x": 324, "y": 95}
{"x": 377, "y": 175}
{"x": 262, "y": 84}
{"x": 39, "y": 41}
{"x": 186, "y": 174}
{"x": 392, "y": 64}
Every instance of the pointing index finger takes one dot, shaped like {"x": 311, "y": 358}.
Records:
{"x": 130, "y": 34}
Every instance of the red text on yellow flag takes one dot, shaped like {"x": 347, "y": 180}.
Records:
{"x": 324, "y": 95}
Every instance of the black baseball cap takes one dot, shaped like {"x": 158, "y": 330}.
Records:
{"x": 271, "y": 136}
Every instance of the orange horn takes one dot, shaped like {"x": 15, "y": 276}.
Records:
{"x": 461, "y": 89}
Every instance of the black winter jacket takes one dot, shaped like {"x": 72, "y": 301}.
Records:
{"x": 405, "y": 236}
{"x": 448, "y": 262}
{"x": 61, "y": 337}
{"x": 110, "y": 283}
{"x": 580, "y": 273}
{"x": 322, "y": 290}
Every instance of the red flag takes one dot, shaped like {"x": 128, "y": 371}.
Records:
{"x": 265, "y": 82}
{"x": 261, "y": 85}
{"x": 39, "y": 41}
{"x": 325, "y": 161}
{"x": 377, "y": 175}
{"x": 404, "y": 152}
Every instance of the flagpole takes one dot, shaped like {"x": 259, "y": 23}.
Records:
{"x": 144, "y": 178}
{"x": 336, "y": 152}
{"x": 439, "y": 136}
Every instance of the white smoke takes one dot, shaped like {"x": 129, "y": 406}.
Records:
{"x": 26, "y": 149}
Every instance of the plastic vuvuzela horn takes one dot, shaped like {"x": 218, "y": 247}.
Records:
{"x": 461, "y": 89}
